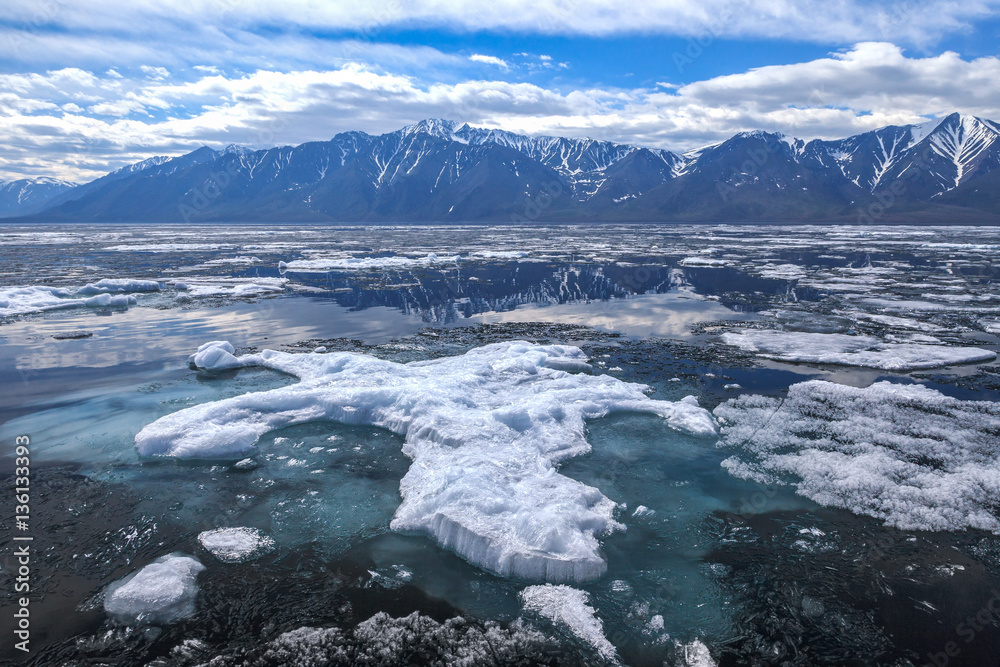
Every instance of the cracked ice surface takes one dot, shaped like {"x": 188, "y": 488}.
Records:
{"x": 485, "y": 431}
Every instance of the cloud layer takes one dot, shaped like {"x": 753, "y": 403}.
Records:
{"x": 76, "y": 124}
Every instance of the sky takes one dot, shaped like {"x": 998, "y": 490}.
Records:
{"x": 88, "y": 86}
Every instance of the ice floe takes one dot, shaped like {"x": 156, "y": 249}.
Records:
{"x": 118, "y": 286}
{"x": 348, "y": 263}
{"x": 847, "y": 350}
{"x": 236, "y": 545}
{"x": 906, "y": 454}
{"x": 485, "y": 430}
{"x": 703, "y": 262}
{"x": 106, "y": 293}
{"x": 162, "y": 592}
{"x": 222, "y": 286}
{"x": 568, "y": 606}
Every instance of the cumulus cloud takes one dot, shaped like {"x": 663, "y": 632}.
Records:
{"x": 75, "y": 124}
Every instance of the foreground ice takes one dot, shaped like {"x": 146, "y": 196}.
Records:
{"x": 235, "y": 545}
{"x": 485, "y": 431}
{"x": 162, "y": 592}
{"x": 568, "y": 606}
{"x": 845, "y": 350}
{"x": 902, "y": 453}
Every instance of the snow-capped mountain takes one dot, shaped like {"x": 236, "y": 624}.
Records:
{"x": 440, "y": 170}
{"x": 29, "y": 195}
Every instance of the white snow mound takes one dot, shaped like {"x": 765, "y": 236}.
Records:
{"x": 846, "y": 350}
{"x": 906, "y": 454}
{"x": 162, "y": 592}
{"x": 485, "y": 430}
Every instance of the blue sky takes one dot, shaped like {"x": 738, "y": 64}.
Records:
{"x": 91, "y": 85}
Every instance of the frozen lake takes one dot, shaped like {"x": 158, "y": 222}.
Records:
{"x": 396, "y": 453}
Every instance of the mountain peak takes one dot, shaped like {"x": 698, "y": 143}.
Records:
{"x": 436, "y": 127}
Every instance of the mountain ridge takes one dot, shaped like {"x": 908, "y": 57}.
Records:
{"x": 439, "y": 170}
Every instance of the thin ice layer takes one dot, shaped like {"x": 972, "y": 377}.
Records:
{"x": 485, "y": 431}
{"x": 906, "y": 454}
{"x": 568, "y": 606}
{"x": 162, "y": 592}
{"x": 845, "y": 350}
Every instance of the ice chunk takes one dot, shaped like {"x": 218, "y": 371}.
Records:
{"x": 568, "y": 606}
{"x": 107, "y": 300}
{"x": 162, "y": 592}
{"x": 696, "y": 655}
{"x": 236, "y": 545}
{"x": 845, "y": 350}
{"x": 215, "y": 355}
{"x": 906, "y": 454}
{"x": 486, "y": 431}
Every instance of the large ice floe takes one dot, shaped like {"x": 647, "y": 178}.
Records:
{"x": 110, "y": 292}
{"x": 847, "y": 350}
{"x": 568, "y": 606}
{"x": 485, "y": 430}
{"x": 906, "y": 454}
{"x": 162, "y": 592}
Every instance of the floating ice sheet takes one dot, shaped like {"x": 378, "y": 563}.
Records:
{"x": 906, "y": 454}
{"x": 845, "y": 350}
{"x": 235, "y": 545}
{"x": 485, "y": 431}
{"x": 162, "y": 592}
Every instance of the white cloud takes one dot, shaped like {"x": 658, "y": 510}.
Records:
{"x": 128, "y": 119}
{"x": 489, "y": 60}
{"x": 815, "y": 20}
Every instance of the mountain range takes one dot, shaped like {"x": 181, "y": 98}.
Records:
{"x": 943, "y": 171}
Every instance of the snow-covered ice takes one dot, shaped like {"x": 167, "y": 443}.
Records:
{"x": 847, "y": 350}
{"x": 105, "y": 293}
{"x": 236, "y": 545}
{"x": 568, "y": 606}
{"x": 162, "y": 592}
{"x": 906, "y": 454}
{"x": 486, "y": 431}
